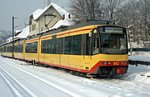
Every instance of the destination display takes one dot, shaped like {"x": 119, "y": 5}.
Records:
{"x": 113, "y": 30}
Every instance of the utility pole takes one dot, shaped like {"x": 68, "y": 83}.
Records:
{"x": 13, "y": 33}
{"x": 13, "y": 18}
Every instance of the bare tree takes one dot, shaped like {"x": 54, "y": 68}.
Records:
{"x": 111, "y": 7}
{"x": 132, "y": 14}
{"x": 145, "y": 14}
{"x": 86, "y": 9}
{"x": 135, "y": 15}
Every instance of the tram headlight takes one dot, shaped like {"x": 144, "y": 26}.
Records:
{"x": 104, "y": 62}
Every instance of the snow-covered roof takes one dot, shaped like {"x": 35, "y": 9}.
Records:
{"x": 9, "y": 40}
{"x": 66, "y": 22}
{"x": 61, "y": 23}
{"x": 18, "y": 31}
{"x": 36, "y": 14}
{"x": 24, "y": 33}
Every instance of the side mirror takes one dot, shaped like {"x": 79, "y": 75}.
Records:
{"x": 90, "y": 34}
{"x": 95, "y": 31}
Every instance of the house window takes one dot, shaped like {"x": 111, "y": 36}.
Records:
{"x": 30, "y": 28}
{"x": 33, "y": 27}
{"x": 42, "y": 29}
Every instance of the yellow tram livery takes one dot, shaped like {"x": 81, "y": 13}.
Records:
{"x": 91, "y": 48}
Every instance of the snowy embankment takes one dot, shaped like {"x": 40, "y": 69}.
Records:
{"x": 140, "y": 73}
{"x": 139, "y": 58}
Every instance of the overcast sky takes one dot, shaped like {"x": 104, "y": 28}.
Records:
{"x": 22, "y": 9}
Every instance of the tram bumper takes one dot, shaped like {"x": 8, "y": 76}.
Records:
{"x": 111, "y": 68}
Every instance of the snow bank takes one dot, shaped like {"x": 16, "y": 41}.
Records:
{"x": 139, "y": 58}
{"x": 140, "y": 73}
{"x": 141, "y": 53}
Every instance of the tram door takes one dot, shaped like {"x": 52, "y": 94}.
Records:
{"x": 92, "y": 42}
{"x": 86, "y": 41}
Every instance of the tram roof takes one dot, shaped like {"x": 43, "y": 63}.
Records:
{"x": 77, "y": 25}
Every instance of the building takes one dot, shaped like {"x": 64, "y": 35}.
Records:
{"x": 51, "y": 17}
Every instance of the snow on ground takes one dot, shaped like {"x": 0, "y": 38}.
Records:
{"x": 139, "y": 58}
{"x": 140, "y": 73}
{"x": 133, "y": 84}
{"x": 141, "y": 53}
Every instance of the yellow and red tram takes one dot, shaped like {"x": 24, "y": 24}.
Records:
{"x": 89, "y": 48}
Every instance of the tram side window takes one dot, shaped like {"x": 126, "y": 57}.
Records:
{"x": 27, "y": 48}
{"x": 76, "y": 45}
{"x": 20, "y": 48}
{"x": 31, "y": 47}
{"x": 60, "y": 46}
{"x": 9, "y": 49}
{"x": 34, "y": 47}
{"x": 67, "y": 45}
{"x": 53, "y": 46}
{"x": 88, "y": 44}
{"x": 43, "y": 48}
{"x": 48, "y": 46}
{"x": 1, "y": 49}
{"x": 95, "y": 42}
{"x": 15, "y": 48}
{"x": 5, "y": 48}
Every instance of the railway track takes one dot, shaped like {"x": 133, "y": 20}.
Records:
{"x": 17, "y": 89}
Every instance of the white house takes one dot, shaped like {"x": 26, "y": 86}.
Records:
{"x": 41, "y": 20}
{"x": 51, "y": 17}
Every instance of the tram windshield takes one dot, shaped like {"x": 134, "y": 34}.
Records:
{"x": 112, "y": 43}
